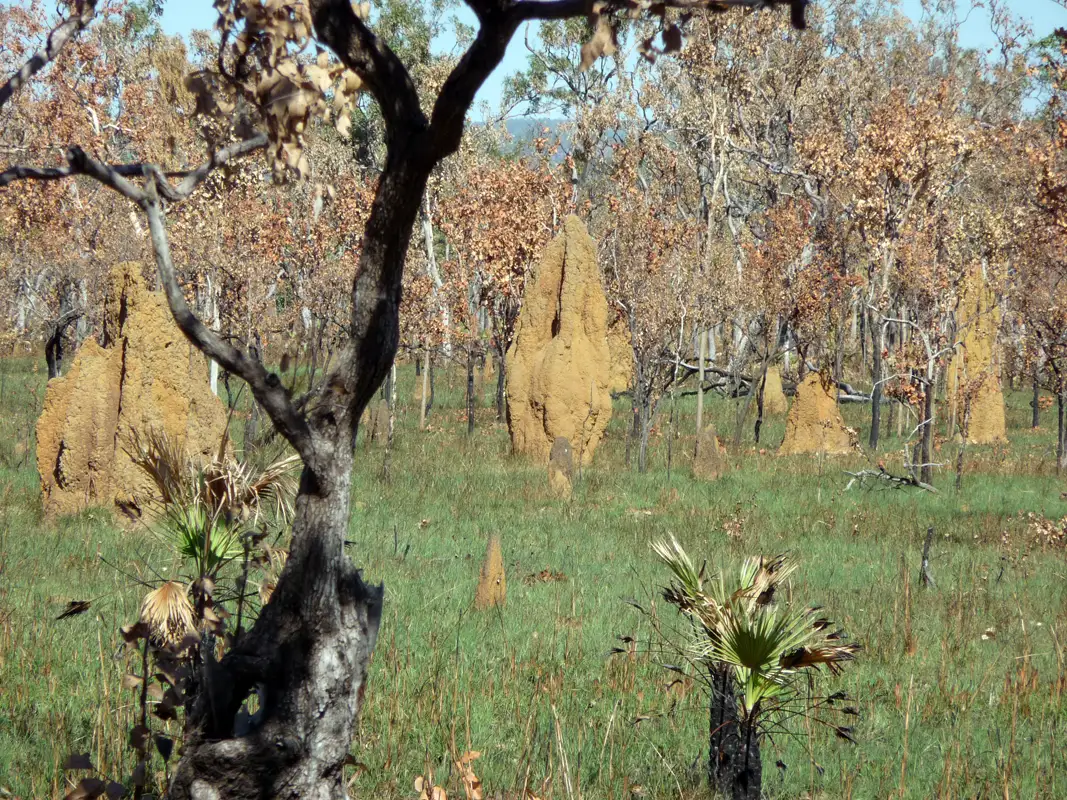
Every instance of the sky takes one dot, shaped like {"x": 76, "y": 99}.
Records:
{"x": 1043, "y": 16}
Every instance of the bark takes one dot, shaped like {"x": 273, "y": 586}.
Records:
{"x": 501, "y": 386}
{"x": 759, "y": 407}
{"x": 1061, "y": 428}
{"x": 423, "y": 399}
{"x": 926, "y": 472}
{"x": 735, "y": 770}
{"x": 644, "y": 413}
{"x": 306, "y": 656}
{"x": 965, "y": 432}
{"x": 53, "y": 345}
{"x": 876, "y": 382}
{"x": 703, "y": 349}
{"x": 1035, "y": 419}
{"x": 470, "y": 390}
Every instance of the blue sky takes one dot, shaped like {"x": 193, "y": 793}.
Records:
{"x": 182, "y": 16}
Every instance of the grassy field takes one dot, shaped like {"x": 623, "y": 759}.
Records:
{"x": 960, "y": 688}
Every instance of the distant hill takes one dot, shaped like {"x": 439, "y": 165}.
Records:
{"x": 526, "y": 129}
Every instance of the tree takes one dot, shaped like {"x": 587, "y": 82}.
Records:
{"x": 308, "y": 651}
{"x": 758, "y": 661}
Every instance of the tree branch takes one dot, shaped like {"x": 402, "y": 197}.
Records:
{"x": 457, "y": 93}
{"x": 78, "y": 163}
{"x": 565, "y": 9}
{"x": 266, "y": 387}
{"x": 360, "y": 49}
{"x": 84, "y": 11}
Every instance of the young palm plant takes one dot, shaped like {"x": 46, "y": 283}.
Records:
{"x": 760, "y": 660}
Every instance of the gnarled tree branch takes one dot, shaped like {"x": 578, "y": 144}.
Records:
{"x": 266, "y": 387}
{"x": 360, "y": 49}
{"x": 60, "y": 36}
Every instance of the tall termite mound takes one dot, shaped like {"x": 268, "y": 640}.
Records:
{"x": 559, "y": 364}
{"x": 974, "y": 373}
{"x": 145, "y": 377}
{"x": 814, "y": 424}
{"x": 774, "y": 401}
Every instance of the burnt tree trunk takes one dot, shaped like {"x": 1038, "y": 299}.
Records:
{"x": 735, "y": 770}
{"x": 53, "y": 345}
{"x": 501, "y": 385}
{"x": 470, "y": 390}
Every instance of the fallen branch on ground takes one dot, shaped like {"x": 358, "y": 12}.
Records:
{"x": 881, "y": 474}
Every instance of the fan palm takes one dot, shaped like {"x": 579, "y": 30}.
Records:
{"x": 756, "y": 653}
{"x": 204, "y": 508}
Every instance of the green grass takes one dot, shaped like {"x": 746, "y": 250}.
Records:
{"x": 971, "y": 716}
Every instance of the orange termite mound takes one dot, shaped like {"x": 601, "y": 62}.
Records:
{"x": 814, "y": 424}
{"x": 144, "y": 377}
{"x": 975, "y": 368}
{"x": 492, "y": 583}
{"x": 559, "y": 363}
{"x": 710, "y": 461}
{"x": 774, "y": 400}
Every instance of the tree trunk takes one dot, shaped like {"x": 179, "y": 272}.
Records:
{"x": 642, "y": 422}
{"x": 423, "y": 400}
{"x": 53, "y": 353}
{"x": 759, "y": 406}
{"x": 1035, "y": 419}
{"x": 306, "y": 656}
{"x": 501, "y": 384}
{"x": 307, "y": 653}
{"x": 735, "y": 770}
{"x": 390, "y": 399}
{"x": 470, "y": 390}
{"x": 703, "y": 350}
{"x": 928, "y": 432}
{"x": 1061, "y": 430}
{"x": 53, "y": 345}
{"x": 965, "y": 432}
{"x": 876, "y": 382}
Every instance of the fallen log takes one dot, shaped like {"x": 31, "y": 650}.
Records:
{"x": 881, "y": 475}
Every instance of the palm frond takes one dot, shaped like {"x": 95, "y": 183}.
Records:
{"x": 168, "y": 612}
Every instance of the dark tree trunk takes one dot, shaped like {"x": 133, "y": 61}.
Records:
{"x": 759, "y": 406}
{"x": 53, "y": 353}
{"x": 876, "y": 384}
{"x": 735, "y": 770}
{"x": 1035, "y": 419}
{"x": 53, "y": 345}
{"x": 501, "y": 384}
{"x": 306, "y": 656}
{"x": 470, "y": 390}
{"x": 839, "y": 353}
{"x": 645, "y": 421}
